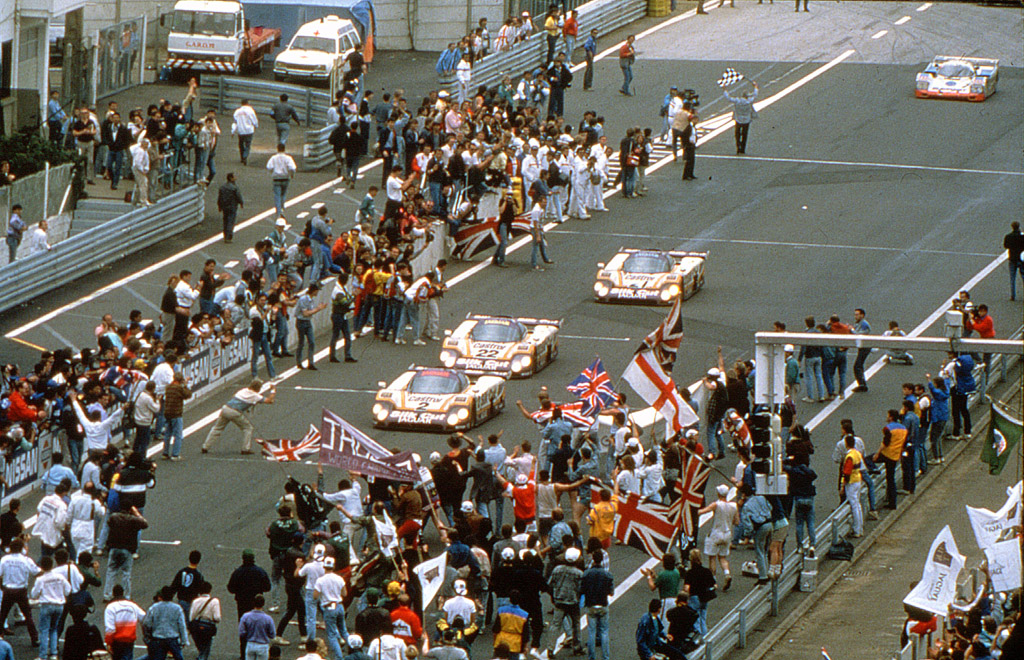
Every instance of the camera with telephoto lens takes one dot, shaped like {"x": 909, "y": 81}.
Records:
{"x": 692, "y": 96}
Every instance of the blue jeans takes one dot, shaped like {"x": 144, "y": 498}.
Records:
{"x": 539, "y": 247}
{"x": 627, "y": 76}
{"x": 858, "y": 366}
{"x": 257, "y": 651}
{"x": 827, "y": 367}
{"x": 175, "y": 435}
{"x": 629, "y": 182}
{"x": 761, "y": 537}
{"x": 280, "y": 343}
{"x": 702, "y": 614}
{"x": 803, "y": 512}
{"x": 141, "y": 444}
{"x": 244, "y": 145}
{"x": 410, "y": 315}
{"x": 1015, "y": 267}
{"x": 115, "y": 164}
{"x": 921, "y": 450}
{"x": 12, "y": 248}
{"x": 435, "y": 193}
{"x": 339, "y": 328}
{"x": 49, "y": 614}
{"x": 570, "y": 45}
{"x": 935, "y": 434}
{"x": 305, "y": 330}
{"x": 197, "y": 165}
{"x": 280, "y": 191}
{"x": 597, "y": 626}
{"x": 499, "y": 253}
{"x": 160, "y": 647}
{"x": 840, "y": 367}
{"x": 334, "y": 620}
{"x": 311, "y": 605}
{"x": 812, "y": 370}
{"x": 283, "y": 130}
{"x": 714, "y": 440}
{"x": 119, "y": 570}
{"x": 258, "y": 347}
{"x": 365, "y": 312}
{"x": 212, "y": 308}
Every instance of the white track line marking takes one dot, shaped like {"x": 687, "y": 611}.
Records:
{"x": 924, "y": 7}
{"x": 854, "y": 163}
{"x": 902, "y": 20}
{"x": 879, "y": 34}
{"x": 622, "y": 339}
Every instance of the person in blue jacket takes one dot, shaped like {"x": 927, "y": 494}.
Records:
{"x": 963, "y": 386}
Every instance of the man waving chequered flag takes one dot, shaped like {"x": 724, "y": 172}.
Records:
{"x": 729, "y": 77}
{"x": 594, "y": 388}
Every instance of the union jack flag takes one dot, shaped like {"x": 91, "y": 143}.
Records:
{"x": 284, "y": 451}
{"x": 691, "y": 491}
{"x": 572, "y": 412}
{"x": 644, "y": 525}
{"x": 665, "y": 339}
{"x": 594, "y": 388}
{"x": 475, "y": 237}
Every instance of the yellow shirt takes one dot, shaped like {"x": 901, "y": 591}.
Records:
{"x": 602, "y": 519}
{"x": 551, "y": 25}
{"x": 857, "y": 460}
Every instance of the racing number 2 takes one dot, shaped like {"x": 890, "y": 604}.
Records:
{"x": 487, "y": 353}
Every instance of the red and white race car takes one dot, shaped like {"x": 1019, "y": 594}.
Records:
{"x": 501, "y": 345}
{"x": 959, "y": 78}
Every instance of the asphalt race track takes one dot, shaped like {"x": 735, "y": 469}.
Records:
{"x": 852, "y": 194}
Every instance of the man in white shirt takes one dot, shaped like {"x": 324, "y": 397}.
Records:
{"x": 281, "y": 168}
{"x": 330, "y": 589}
{"x": 530, "y": 169}
{"x": 51, "y": 591}
{"x": 537, "y": 230}
{"x": 312, "y": 570}
{"x": 83, "y": 512}
{"x": 387, "y": 647}
{"x": 52, "y": 518}
{"x": 459, "y": 604}
{"x": 140, "y": 170}
{"x": 15, "y": 571}
{"x": 349, "y": 497}
{"x": 97, "y": 429}
{"x": 233, "y": 412}
{"x": 36, "y": 241}
{"x": 244, "y": 127}
{"x": 415, "y": 299}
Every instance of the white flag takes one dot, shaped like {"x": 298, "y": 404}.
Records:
{"x": 937, "y": 587}
{"x": 657, "y": 388}
{"x": 387, "y": 535}
{"x": 1004, "y": 565}
{"x": 989, "y": 528}
{"x": 431, "y": 575}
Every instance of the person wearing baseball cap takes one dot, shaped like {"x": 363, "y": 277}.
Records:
{"x": 524, "y": 497}
{"x": 724, "y": 517}
{"x": 565, "y": 594}
{"x": 330, "y": 589}
{"x": 717, "y": 402}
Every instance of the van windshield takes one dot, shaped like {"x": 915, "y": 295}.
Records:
{"x": 310, "y": 42}
{"x": 208, "y": 23}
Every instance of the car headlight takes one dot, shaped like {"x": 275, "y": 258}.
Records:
{"x": 601, "y": 290}
{"x": 922, "y": 82}
{"x": 673, "y": 290}
{"x": 463, "y": 414}
{"x": 380, "y": 412}
{"x": 665, "y": 295}
{"x": 448, "y": 359}
{"x": 977, "y": 88}
{"x": 452, "y": 419}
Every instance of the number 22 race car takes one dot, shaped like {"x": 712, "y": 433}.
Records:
{"x": 961, "y": 78}
{"x": 501, "y": 345}
{"x": 650, "y": 276}
{"x": 437, "y": 399}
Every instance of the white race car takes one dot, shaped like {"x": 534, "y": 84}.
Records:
{"x": 649, "y": 276}
{"x": 962, "y": 78}
{"x": 501, "y": 345}
{"x": 437, "y": 399}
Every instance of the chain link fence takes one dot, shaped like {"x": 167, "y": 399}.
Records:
{"x": 118, "y": 57}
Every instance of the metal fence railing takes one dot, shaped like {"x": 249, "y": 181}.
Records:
{"x": 41, "y": 195}
{"x": 225, "y": 93}
{"x": 119, "y": 57}
{"x": 100, "y": 246}
{"x": 605, "y": 15}
{"x": 731, "y": 630}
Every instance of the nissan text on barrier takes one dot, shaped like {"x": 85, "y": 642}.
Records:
{"x": 214, "y": 36}
{"x": 317, "y": 49}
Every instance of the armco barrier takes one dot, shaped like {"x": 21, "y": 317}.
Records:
{"x": 317, "y": 152}
{"x": 605, "y": 15}
{"x": 225, "y": 93}
{"x": 731, "y": 630}
{"x": 100, "y": 246}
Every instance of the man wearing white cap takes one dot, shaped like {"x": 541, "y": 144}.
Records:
{"x": 330, "y": 589}
{"x": 565, "y": 594}
{"x": 311, "y": 569}
{"x": 725, "y": 515}
{"x": 459, "y": 605}
{"x": 717, "y": 402}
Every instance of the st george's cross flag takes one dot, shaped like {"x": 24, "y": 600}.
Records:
{"x": 665, "y": 339}
{"x": 657, "y": 388}
{"x": 644, "y": 525}
{"x": 284, "y": 451}
{"x": 729, "y": 77}
{"x": 594, "y": 388}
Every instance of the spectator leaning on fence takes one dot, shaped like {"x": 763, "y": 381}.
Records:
{"x": 15, "y": 230}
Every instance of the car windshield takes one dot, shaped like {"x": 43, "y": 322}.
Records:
{"x": 647, "y": 263}
{"x": 498, "y": 331}
{"x": 309, "y": 42}
{"x": 956, "y": 70}
{"x": 204, "y": 22}
{"x": 437, "y": 381}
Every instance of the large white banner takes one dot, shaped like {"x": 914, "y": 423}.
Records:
{"x": 431, "y": 575}
{"x": 937, "y": 587}
{"x": 1004, "y": 565}
{"x": 989, "y": 527}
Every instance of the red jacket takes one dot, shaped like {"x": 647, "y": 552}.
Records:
{"x": 19, "y": 411}
{"x": 407, "y": 625}
{"x": 984, "y": 327}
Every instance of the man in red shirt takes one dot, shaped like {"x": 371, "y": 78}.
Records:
{"x": 627, "y": 55}
{"x": 570, "y": 30}
{"x": 979, "y": 321}
{"x": 407, "y": 625}
{"x": 20, "y": 410}
{"x": 524, "y": 497}
{"x": 837, "y": 327}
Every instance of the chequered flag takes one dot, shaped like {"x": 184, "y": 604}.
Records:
{"x": 729, "y": 77}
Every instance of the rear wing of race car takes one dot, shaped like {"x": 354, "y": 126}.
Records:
{"x": 675, "y": 254}
{"x": 525, "y": 320}
{"x": 986, "y": 65}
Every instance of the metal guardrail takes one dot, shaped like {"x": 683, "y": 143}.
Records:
{"x": 605, "y": 15}
{"x": 102, "y": 245}
{"x": 317, "y": 152}
{"x": 731, "y": 630}
{"x": 225, "y": 93}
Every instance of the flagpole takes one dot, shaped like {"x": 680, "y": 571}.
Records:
{"x": 705, "y": 462}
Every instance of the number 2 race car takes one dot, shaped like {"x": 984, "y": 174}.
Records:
{"x": 436, "y": 399}
{"x": 963, "y": 78}
{"x": 649, "y": 276}
{"x": 501, "y": 345}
